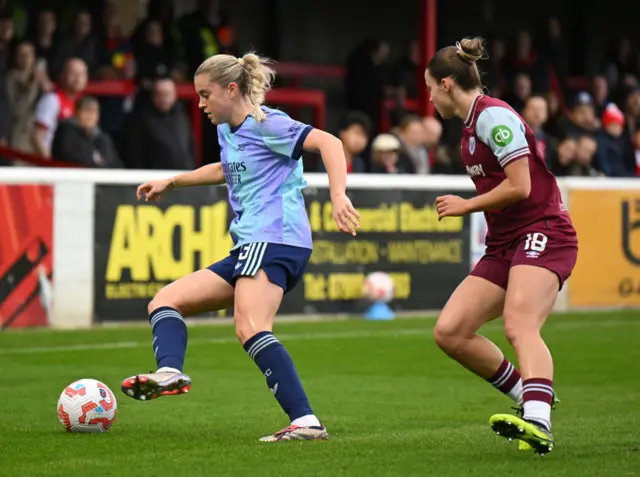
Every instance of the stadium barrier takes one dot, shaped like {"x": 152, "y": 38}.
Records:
{"x": 77, "y": 248}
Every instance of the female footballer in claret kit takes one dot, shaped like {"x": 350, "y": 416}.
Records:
{"x": 261, "y": 165}
{"x": 531, "y": 246}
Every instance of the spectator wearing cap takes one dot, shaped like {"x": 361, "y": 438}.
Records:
{"x": 614, "y": 156}
{"x": 384, "y": 152}
{"x": 581, "y": 119}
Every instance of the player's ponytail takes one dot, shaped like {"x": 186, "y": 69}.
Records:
{"x": 260, "y": 78}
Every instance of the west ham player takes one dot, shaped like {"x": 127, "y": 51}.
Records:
{"x": 531, "y": 246}
{"x": 260, "y": 163}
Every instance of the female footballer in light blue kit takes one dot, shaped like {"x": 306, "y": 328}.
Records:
{"x": 260, "y": 163}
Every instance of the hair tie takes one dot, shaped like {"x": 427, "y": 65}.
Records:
{"x": 241, "y": 61}
{"x": 458, "y": 47}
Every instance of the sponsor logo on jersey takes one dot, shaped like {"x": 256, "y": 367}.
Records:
{"x": 476, "y": 170}
{"x": 502, "y": 135}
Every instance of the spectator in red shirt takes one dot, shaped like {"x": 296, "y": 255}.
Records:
{"x": 58, "y": 105}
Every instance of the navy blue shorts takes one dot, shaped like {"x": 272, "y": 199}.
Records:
{"x": 283, "y": 264}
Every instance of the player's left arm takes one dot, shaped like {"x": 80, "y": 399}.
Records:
{"x": 332, "y": 154}
{"x": 335, "y": 163}
{"x": 289, "y": 138}
{"x": 503, "y": 131}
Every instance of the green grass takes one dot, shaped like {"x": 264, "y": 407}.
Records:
{"x": 392, "y": 401}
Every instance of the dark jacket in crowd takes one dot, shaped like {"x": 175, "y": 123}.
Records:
{"x": 93, "y": 148}
{"x": 159, "y": 140}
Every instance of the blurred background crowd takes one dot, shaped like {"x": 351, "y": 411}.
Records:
{"x": 50, "y": 51}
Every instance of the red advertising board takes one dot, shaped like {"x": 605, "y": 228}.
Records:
{"x": 26, "y": 255}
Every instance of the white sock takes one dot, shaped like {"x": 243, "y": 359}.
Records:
{"x": 507, "y": 380}
{"x": 166, "y": 369}
{"x": 306, "y": 421}
{"x": 538, "y": 411}
{"x": 516, "y": 392}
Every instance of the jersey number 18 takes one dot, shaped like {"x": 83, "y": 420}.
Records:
{"x": 536, "y": 242}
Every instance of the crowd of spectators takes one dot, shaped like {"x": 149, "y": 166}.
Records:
{"x": 45, "y": 65}
{"x": 591, "y": 131}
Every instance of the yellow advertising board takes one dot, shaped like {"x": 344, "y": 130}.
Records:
{"x": 608, "y": 269}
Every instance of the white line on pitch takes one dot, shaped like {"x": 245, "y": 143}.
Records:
{"x": 224, "y": 340}
{"x": 564, "y": 324}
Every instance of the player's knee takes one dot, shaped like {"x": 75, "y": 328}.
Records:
{"x": 162, "y": 298}
{"x": 510, "y": 331}
{"x": 448, "y": 336}
{"x": 244, "y": 330}
{"x": 245, "y": 326}
{"x": 519, "y": 327}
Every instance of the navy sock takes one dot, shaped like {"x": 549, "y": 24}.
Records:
{"x": 282, "y": 378}
{"x": 169, "y": 337}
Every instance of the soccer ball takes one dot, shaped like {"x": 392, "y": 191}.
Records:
{"x": 87, "y": 405}
{"x": 378, "y": 286}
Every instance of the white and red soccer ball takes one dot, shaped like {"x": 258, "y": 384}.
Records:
{"x": 378, "y": 286}
{"x": 87, "y": 405}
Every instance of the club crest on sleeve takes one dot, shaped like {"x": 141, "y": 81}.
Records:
{"x": 293, "y": 130}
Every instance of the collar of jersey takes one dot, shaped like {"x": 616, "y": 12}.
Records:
{"x": 237, "y": 128}
{"x": 472, "y": 110}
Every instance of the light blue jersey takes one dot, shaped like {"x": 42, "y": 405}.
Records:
{"x": 263, "y": 171}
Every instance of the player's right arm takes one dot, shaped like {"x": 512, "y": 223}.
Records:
{"x": 211, "y": 174}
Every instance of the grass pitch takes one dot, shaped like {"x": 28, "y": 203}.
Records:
{"x": 393, "y": 403}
